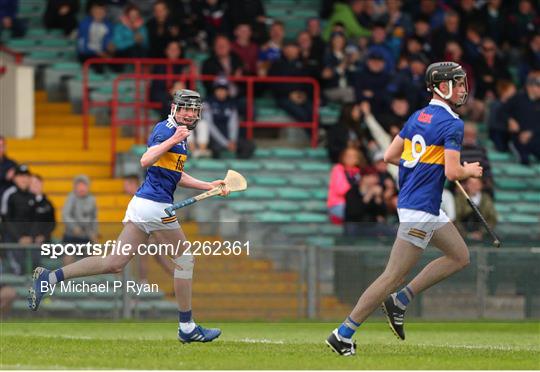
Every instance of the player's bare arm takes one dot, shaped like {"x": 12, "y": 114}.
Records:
{"x": 153, "y": 153}
{"x": 453, "y": 169}
{"x": 394, "y": 151}
{"x": 194, "y": 183}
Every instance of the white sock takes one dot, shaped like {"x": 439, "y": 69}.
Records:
{"x": 187, "y": 327}
{"x": 52, "y": 278}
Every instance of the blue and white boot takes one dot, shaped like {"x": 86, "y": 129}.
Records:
{"x": 35, "y": 293}
{"x": 199, "y": 334}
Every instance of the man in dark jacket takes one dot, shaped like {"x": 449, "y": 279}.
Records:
{"x": 61, "y": 14}
{"x": 161, "y": 30}
{"x": 45, "y": 221}
{"x": 18, "y": 213}
{"x": 9, "y": 20}
{"x": 372, "y": 84}
{"x": 222, "y": 62}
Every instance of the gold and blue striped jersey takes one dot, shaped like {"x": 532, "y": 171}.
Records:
{"x": 426, "y": 134}
{"x": 163, "y": 176}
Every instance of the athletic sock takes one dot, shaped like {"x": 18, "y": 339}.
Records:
{"x": 187, "y": 325}
{"x": 56, "y": 276}
{"x": 347, "y": 328}
{"x": 403, "y": 297}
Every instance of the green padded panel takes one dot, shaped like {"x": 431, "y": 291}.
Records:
{"x": 268, "y": 180}
{"x": 518, "y": 170}
{"x": 315, "y": 206}
{"x": 288, "y": 153}
{"x": 210, "y": 164}
{"x": 293, "y": 193}
{"x": 242, "y": 206}
{"x": 317, "y": 153}
{"x": 310, "y": 217}
{"x": 66, "y": 66}
{"x": 315, "y": 167}
{"x": 305, "y": 181}
{"x": 57, "y": 305}
{"x": 320, "y": 193}
{"x": 530, "y": 208}
{"x": 280, "y": 166}
{"x": 503, "y": 208}
{"x": 510, "y": 184}
{"x": 244, "y": 165}
{"x": 273, "y": 217}
{"x": 499, "y": 156}
{"x": 284, "y": 206}
{"x": 164, "y": 305}
{"x": 531, "y": 197}
{"x": 262, "y": 153}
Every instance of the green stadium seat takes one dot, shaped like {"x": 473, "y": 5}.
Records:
{"x": 521, "y": 218}
{"x": 506, "y": 196}
{"x": 510, "y": 184}
{"x": 518, "y": 170}
{"x": 209, "y": 165}
{"x": 268, "y": 180}
{"x": 262, "y": 153}
{"x": 280, "y": 152}
{"x": 138, "y": 150}
{"x": 315, "y": 206}
{"x": 258, "y": 193}
{"x": 273, "y": 217}
{"x": 330, "y": 229}
{"x": 283, "y": 206}
{"x": 503, "y": 208}
{"x": 299, "y": 230}
{"x": 531, "y": 208}
{"x": 242, "y": 206}
{"x": 495, "y": 156}
{"x": 290, "y": 193}
{"x": 316, "y": 153}
{"x": 534, "y": 183}
{"x": 320, "y": 193}
{"x": 279, "y": 166}
{"x": 305, "y": 181}
{"x": 497, "y": 171}
{"x": 315, "y": 167}
{"x": 244, "y": 165}
{"x": 530, "y": 197}
{"x": 56, "y": 43}
{"x": 310, "y": 217}
{"x": 13, "y": 280}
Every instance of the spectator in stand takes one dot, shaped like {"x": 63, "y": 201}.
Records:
{"x": 318, "y": 46}
{"x": 346, "y": 14}
{"x": 449, "y": 32}
{"x": 18, "y": 213}
{"x": 472, "y": 45}
{"x": 523, "y": 113}
{"x": 130, "y": 36}
{"x": 45, "y": 220}
{"x": 161, "y": 30}
{"x": 95, "y": 35}
{"x": 398, "y": 24}
{"x": 496, "y": 121}
{"x": 339, "y": 68}
{"x": 308, "y": 56}
{"x": 388, "y": 184}
{"x": 294, "y": 98}
{"x": 345, "y": 175}
{"x": 466, "y": 220}
{"x": 522, "y": 24}
{"x": 7, "y": 167}
{"x": 472, "y": 151}
{"x": 468, "y": 14}
{"x": 349, "y": 131}
{"x": 7, "y": 296}
{"x": 80, "y": 215}
{"x": 392, "y": 121}
{"x": 379, "y": 44}
{"x": 372, "y": 84}
{"x": 365, "y": 210}
{"x": 222, "y": 62}
{"x": 422, "y": 32}
{"x": 160, "y": 90}
{"x": 188, "y": 17}
{"x": 114, "y": 8}
{"x": 221, "y": 116}
{"x": 493, "y": 21}
{"x": 271, "y": 50}
{"x": 61, "y": 14}
{"x": 8, "y": 18}
{"x": 244, "y": 48}
{"x": 213, "y": 17}
{"x": 531, "y": 58}
{"x": 249, "y": 12}
{"x": 431, "y": 11}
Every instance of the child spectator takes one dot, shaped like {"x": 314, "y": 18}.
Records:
{"x": 95, "y": 35}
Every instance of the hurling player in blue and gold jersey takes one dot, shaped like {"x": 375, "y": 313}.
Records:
{"x": 145, "y": 216}
{"x": 427, "y": 151}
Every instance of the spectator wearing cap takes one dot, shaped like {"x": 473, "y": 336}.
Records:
{"x": 371, "y": 85}
{"x": 347, "y": 15}
{"x": 161, "y": 30}
{"x": 61, "y": 14}
{"x": 224, "y": 62}
{"x": 130, "y": 37}
{"x": 221, "y": 117}
{"x": 18, "y": 213}
{"x": 294, "y": 98}
{"x": 9, "y": 20}
{"x": 7, "y": 167}
{"x": 94, "y": 38}
{"x": 450, "y": 31}
{"x": 339, "y": 68}
{"x": 271, "y": 50}
{"x": 80, "y": 215}
{"x": 523, "y": 113}
{"x": 244, "y": 48}
{"x": 45, "y": 220}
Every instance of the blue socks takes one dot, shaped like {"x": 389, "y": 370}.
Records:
{"x": 187, "y": 325}
{"x": 348, "y": 327}
{"x": 56, "y": 276}
{"x": 184, "y": 316}
{"x": 403, "y": 298}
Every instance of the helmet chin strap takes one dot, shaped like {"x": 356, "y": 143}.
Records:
{"x": 172, "y": 115}
{"x": 447, "y": 96}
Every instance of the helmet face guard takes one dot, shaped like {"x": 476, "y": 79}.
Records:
{"x": 447, "y": 71}
{"x": 188, "y": 100}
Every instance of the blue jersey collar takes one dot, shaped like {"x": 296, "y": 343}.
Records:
{"x": 444, "y": 105}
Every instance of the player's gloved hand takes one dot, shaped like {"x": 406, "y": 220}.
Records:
{"x": 224, "y": 190}
{"x": 181, "y": 133}
{"x": 473, "y": 169}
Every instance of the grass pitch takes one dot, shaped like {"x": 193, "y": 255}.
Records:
{"x": 147, "y": 345}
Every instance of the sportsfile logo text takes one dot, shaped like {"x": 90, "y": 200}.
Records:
{"x": 113, "y": 247}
